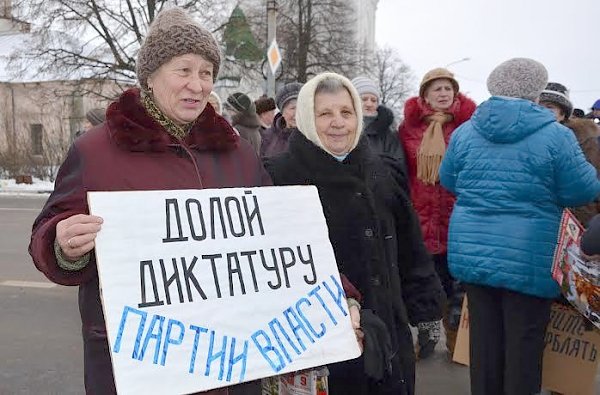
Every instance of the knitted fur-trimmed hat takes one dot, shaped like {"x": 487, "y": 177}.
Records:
{"x": 557, "y": 94}
{"x": 286, "y": 93}
{"x": 366, "y": 85}
{"x": 174, "y": 33}
{"x": 305, "y": 110}
{"x": 522, "y": 78}
{"x": 437, "y": 74}
{"x": 264, "y": 104}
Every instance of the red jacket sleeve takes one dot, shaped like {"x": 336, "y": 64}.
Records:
{"x": 68, "y": 198}
{"x": 350, "y": 289}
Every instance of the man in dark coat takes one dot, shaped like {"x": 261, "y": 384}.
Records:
{"x": 372, "y": 227}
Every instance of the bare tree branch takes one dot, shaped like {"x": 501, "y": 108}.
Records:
{"x": 96, "y": 39}
{"x": 396, "y": 79}
{"x": 313, "y": 35}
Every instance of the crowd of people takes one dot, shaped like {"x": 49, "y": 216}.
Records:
{"x": 459, "y": 199}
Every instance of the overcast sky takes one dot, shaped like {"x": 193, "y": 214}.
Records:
{"x": 563, "y": 35}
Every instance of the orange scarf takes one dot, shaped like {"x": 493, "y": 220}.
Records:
{"x": 432, "y": 148}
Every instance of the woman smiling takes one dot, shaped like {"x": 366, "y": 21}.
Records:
{"x": 372, "y": 228}
{"x": 160, "y": 136}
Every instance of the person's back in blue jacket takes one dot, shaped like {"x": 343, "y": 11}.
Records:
{"x": 513, "y": 170}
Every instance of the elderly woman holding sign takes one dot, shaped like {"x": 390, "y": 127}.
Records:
{"x": 159, "y": 136}
{"x": 373, "y": 229}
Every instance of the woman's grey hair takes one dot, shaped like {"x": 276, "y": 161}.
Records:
{"x": 331, "y": 85}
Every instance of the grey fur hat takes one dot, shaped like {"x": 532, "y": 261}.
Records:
{"x": 174, "y": 33}
{"x": 286, "y": 93}
{"x": 558, "y": 94}
{"x": 518, "y": 77}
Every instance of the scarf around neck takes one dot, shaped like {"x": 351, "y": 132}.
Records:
{"x": 432, "y": 148}
{"x": 171, "y": 127}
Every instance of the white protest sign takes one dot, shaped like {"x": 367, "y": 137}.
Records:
{"x": 208, "y": 288}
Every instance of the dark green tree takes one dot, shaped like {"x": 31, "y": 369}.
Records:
{"x": 239, "y": 40}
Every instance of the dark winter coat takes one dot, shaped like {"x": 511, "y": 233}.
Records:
{"x": 433, "y": 203}
{"x": 586, "y": 132}
{"x": 377, "y": 244}
{"x": 276, "y": 138}
{"x": 383, "y": 138}
{"x": 133, "y": 152}
{"x": 248, "y": 126}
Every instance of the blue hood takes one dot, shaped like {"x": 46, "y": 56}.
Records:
{"x": 506, "y": 120}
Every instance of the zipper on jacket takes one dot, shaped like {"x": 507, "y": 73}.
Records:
{"x": 191, "y": 156}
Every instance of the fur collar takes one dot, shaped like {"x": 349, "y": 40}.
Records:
{"x": 583, "y": 129}
{"x": 382, "y": 122}
{"x": 415, "y": 109}
{"x": 304, "y": 163}
{"x": 322, "y": 167}
{"x": 133, "y": 129}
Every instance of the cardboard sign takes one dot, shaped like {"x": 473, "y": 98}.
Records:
{"x": 461, "y": 347}
{"x": 207, "y": 288}
{"x": 570, "y": 360}
{"x": 571, "y": 353}
{"x": 578, "y": 277}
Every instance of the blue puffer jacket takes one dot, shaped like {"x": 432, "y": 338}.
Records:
{"x": 513, "y": 169}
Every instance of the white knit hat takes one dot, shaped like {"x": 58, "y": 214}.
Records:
{"x": 305, "y": 109}
{"x": 366, "y": 85}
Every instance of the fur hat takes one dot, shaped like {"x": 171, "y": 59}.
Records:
{"x": 264, "y": 104}
{"x": 557, "y": 94}
{"x": 96, "y": 116}
{"x": 305, "y": 110}
{"x": 366, "y": 85}
{"x": 286, "y": 93}
{"x": 519, "y": 78}
{"x": 174, "y": 33}
{"x": 437, "y": 74}
{"x": 241, "y": 103}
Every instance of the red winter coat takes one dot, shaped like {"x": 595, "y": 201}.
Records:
{"x": 133, "y": 152}
{"x": 432, "y": 202}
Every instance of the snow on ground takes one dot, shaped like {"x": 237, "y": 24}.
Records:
{"x": 10, "y": 186}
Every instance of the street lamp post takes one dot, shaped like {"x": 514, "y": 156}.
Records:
{"x": 271, "y": 34}
{"x": 458, "y": 61}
